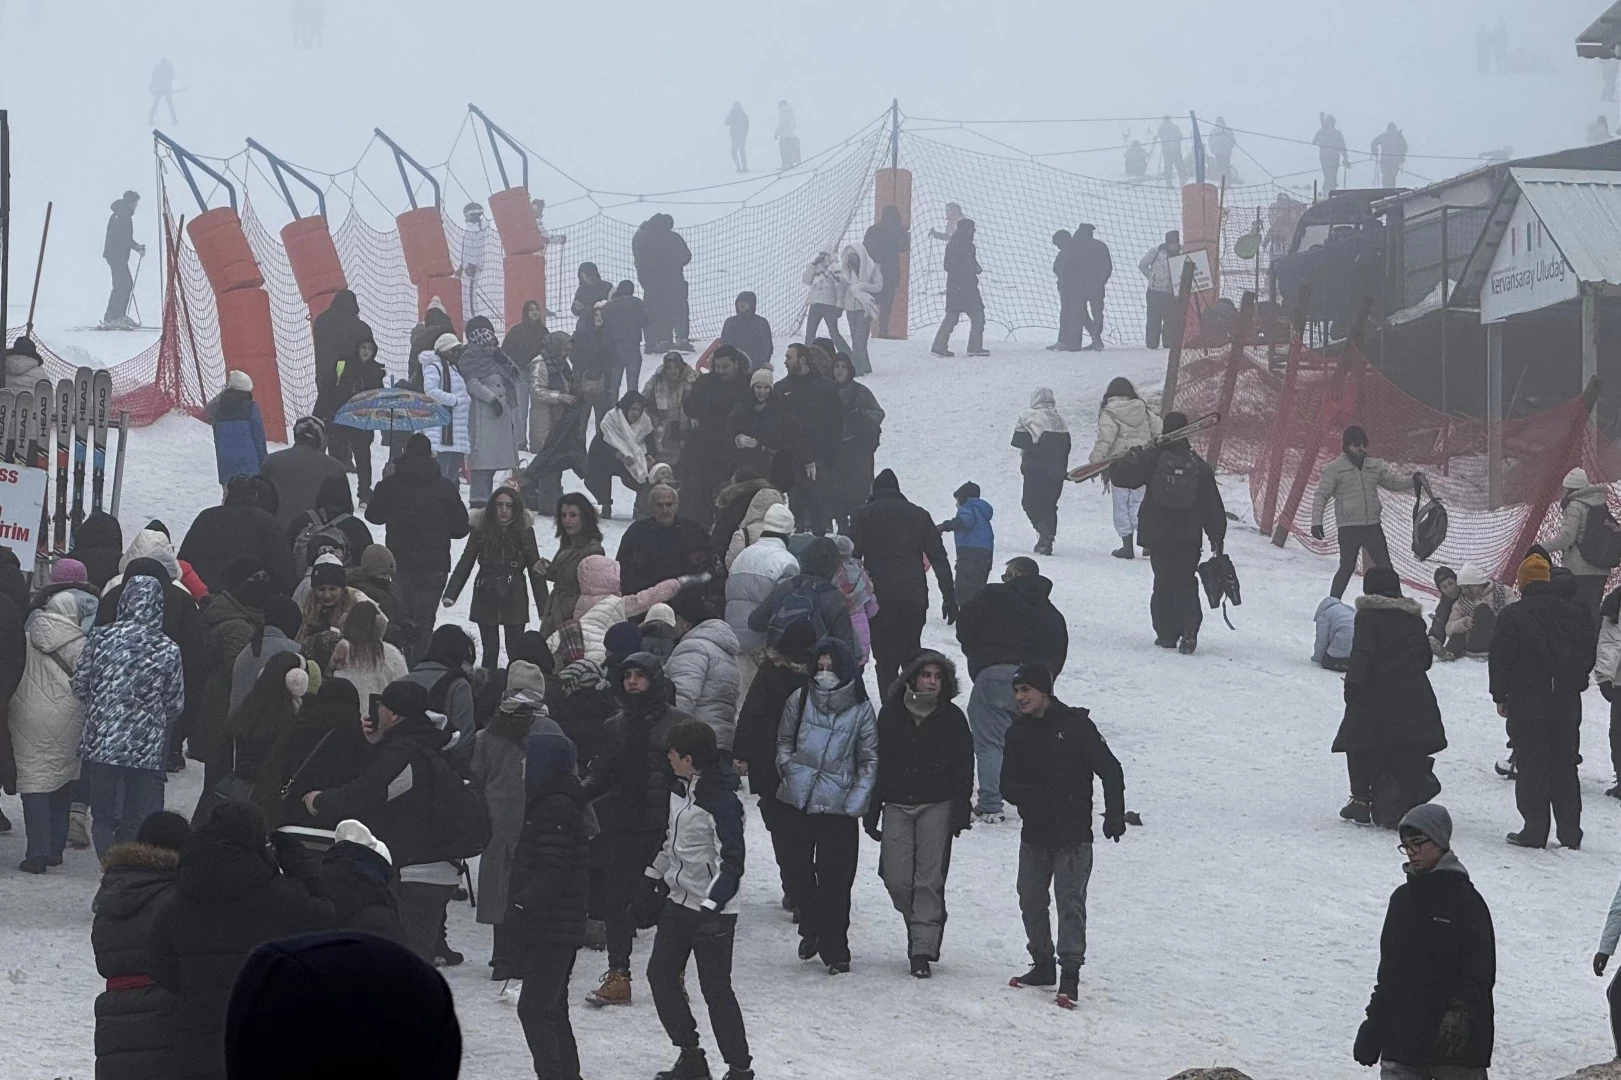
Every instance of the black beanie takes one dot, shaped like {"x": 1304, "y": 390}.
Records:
{"x": 969, "y": 490}
{"x": 147, "y": 568}
{"x": 327, "y": 573}
{"x": 1381, "y": 581}
{"x": 283, "y": 614}
{"x": 797, "y": 641}
{"x": 389, "y": 1012}
{"x": 418, "y": 446}
{"x": 1444, "y": 574}
{"x": 164, "y": 829}
{"x": 1354, "y": 436}
{"x": 406, "y": 698}
{"x": 1035, "y": 676}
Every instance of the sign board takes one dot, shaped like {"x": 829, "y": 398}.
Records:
{"x": 1527, "y": 272}
{"x": 1200, "y": 258}
{"x": 22, "y": 493}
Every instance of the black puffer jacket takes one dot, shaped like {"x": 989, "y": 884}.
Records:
{"x": 755, "y": 741}
{"x": 99, "y": 544}
{"x": 1161, "y": 526}
{"x": 1013, "y": 622}
{"x": 650, "y": 553}
{"x": 892, "y": 538}
{"x": 550, "y": 873}
{"x": 629, "y": 778}
{"x": 813, "y": 403}
{"x": 231, "y": 899}
{"x": 394, "y": 796}
{"x": 359, "y": 883}
{"x": 1047, "y": 769}
{"x": 134, "y": 1023}
{"x": 583, "y": 716}
{"x": 222, "y": 534}
{"x": 1541, "y": 652}
{"x": 927, "y": 761}
{"x": 1388, "y": 698}
{"x": 422, "y": 511}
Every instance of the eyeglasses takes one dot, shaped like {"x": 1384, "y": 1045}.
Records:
{"x": 1413, "y": 846}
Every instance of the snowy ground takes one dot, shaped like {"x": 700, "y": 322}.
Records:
{"x": 1239, "y": 926}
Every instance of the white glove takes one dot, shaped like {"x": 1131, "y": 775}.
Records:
{"x": 747, "y": 442}
{"x": 810, "y": 471}
{"x": 446, "y": 602}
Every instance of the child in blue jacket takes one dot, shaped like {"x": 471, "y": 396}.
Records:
{"x": 239, "y": 430}
{"x": 976, "y": 541}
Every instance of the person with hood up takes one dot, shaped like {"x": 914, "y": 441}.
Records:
{"x": 825, "y": 279}
{"x": 688, "y": 892}
{"x": 1182, "y": 505}
{"x": 809, "y": 595}
{"x": 357, "y": 375}
{"x": 629, "y": 780}
{"x": 298, "y": 472}
{"x": 601, "y": 603}
{"x": 135, "y": 1036}
{"x": 624, "y": 318}
{"x": 863, "y": 424}
{"x": 925, "y": 783}
{"x": 362, "y": 656}
{"x": 1353, "y": 481}
{"x": 337, "y": 333}
{"x": 1392, "y": 722}
{"x": 708, "y": 448}
{"x": 764, "y": 432}
{"x": 1042, "y": 439}
{"x": 1163, "y": 322}
{"x": 962, "y": 293}
{"x": 1085, "y": 269}
{"x": 525, "y": 341}
{"x": 130, "y": 682}
{"x": 99, "y": 543}
{"x": 811, "y": 398}
{"x": 1125, "y": 423}
{"x": 886, "y": 240}
{"x": 975, "y": 539}
{"x": 754, "y": 575}
{"x": 238, "y": 528}
{"x": 748, "y": 332}
{"x": 704, "y": 669}
{"x": 1431, "y": 1011}
{"x": 663, "y": 276}
{"x": 893, "y": 538}
{"x": 357, "y": 876}
{"x": 238, "y": 888}
{"x": 623, "y": 448}
{"x": 330, "y": 526}
{"x": 547, "y": 891}
{"x": 442, "y": 380}
{"x": 589, "y": 292}
{"x": 493, "y": 383}
{"x": 46, "y": 721}
{"x": 119, "y": 242}
{"x": 446, "y": 673}
{"x": 1472, "y": 618}
{"x": 856, "y": 585}
{"x": 422, "y": 512}
{"x": 1577, "y": 504}
{"x": 434, "y": 325}
{"x": 666, "y": 393}
{"x": 827, "y": 758}
{"x": 1335, "y": 623}
{"x": 239, "y": 428}
{"x": 502, "y": 542}
{"x": 24, "y": 368}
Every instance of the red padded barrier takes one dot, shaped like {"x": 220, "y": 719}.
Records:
{"x": 515, "y": 222}
{"x": 422, "y": 237}
{"x": 893, "y": 187}
{"x": 223, "y": 249}
{"x": 313, "y": 258}
{"x": 448, "y": 289}
{"x": 1201, "y": 228}
{"x": 248, "y": 340}
{"x": 525, "y": 281}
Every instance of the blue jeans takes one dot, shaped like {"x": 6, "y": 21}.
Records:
{"x": 991, "y": 709}
{"x": 121, "y": 799}
{"x": 45, "y": 817}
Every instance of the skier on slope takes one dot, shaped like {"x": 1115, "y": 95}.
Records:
{"x": 162, "y": 91}
{"x": 737, "y": 122}
{"x": 1331, "y": 153}
{"x": 116, "y": 248}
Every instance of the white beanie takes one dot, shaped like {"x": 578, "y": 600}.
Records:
{"x": 353, "y": 832}
{"x": 238, "y": 380}
{"x": 1470, "y": 574}
{"x": 445, "y": 343}
{"x": 298, "y": 682}
{"x": 779, "y": 520}
{"x": 762, "y": 375}
{"x": 660, "y": 613}
{"x": 1576, "y": 478}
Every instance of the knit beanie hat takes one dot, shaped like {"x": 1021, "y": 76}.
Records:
{"x": 762, "y": 377}
{"x": 405, "y": 698}
{"x": 1381, "y": 581}
{"x": 522, "y": 675}
{"x": 1444, "y": 574}
{"x": 1534, "y": 568}
{"x": 1035, "y": 676}
{"x": 239, "y": 380}
{"x": 660, "y": 613}
{"x": 623, "y": 638}
{"x": 1431, "y": 820}
{"x": 796, "y": 642}
{"x": 1353, "y": 436}
{"x": 547, "y": 754}
{"x": 377, "y": 562}
{"x": 283, "y": 614}
{"x": 68, "y": 571}
{"x": 164, "y": 829}
{"x": 418, "y": 446}
{"x": 445, "y": 343}
{"x": 310, "y": 431}
{"x": 328, "y": 570}
{"x": 1575, "y": 479}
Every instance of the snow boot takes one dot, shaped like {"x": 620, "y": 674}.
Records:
{"x": 607, "y": 512}
{"x": 997, "y": 818}
{"x": 1518, "y": 839}
{"x": 1041, "y": 973}
{"x": 1166, "y": 643}
{"x": 613, "y": 990}
{"x": 34, "y": 864}
{"x": 1096, "y": 346}
{"x": 979, "y": 352}
{"x": 691, "y": 1065}
{"x": 1358, "y": 810}
{"x": 1044, "y": 545}
{"x": 1508, "y": 770}
{"x": 1189, "y": 643}
{"x": 1069, "y": 988}
{"x": 1126, "y": 550}
{"x": 5, "y": 822}
{"x": 734, "y": 1073}
{"x": 943, "y": 353}
{"x": 841, "y": 967}
{"x": 807, "y": 947}
{"x": 445, "y": 956}
{"x": 920, "y": 967}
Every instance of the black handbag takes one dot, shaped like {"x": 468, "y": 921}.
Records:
{"x": 1429, "y": 520}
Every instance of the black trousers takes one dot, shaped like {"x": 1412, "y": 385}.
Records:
{"x": 1040, "y": 504}
{"x": 1071, "y": 310}
{"x": 774, "y": 815}
{"x": 1161, "y": 319}
{"x": 1614, "y": 995}
{"x": 1545, "y": 751}
{"x": 974, "y": 308}
{"x": 602, "y": 465}
{"x": 629, "y": 855}
{"x": 1615, "y": 736}
{"x": 421, "y": 593}
{"x": 422, "y": 915}
{"x": 489, "y": 635}
{"x": 814, "y": 501}
{"x": 822, "y": 851}
{"x": 1393, "y": 778}
{"x": 1175, "y": 605}
{"x": 1354, "y": 540}
{"x": 543, "y": 1012}
{"x": 897, "y": 635}
{"x": 1590, "y": 594}
{"x": 1089, "y": 313}
{"x": 707, "y": 938}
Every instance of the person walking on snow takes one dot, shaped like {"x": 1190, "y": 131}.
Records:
{"x": 975, "y": 539}
{"x": 442, "y": 380}
{"x": 1353, "y": 481}
{"x": 1331, "y": 153}
{"x": 1125, "y": 423}
{"x": 492, "y": 382}
{"x": 116, "y": 248}
{"x": 825, "y": 300}
{"x": 239, "y": 429}
{"x": 1042, "y": 439}
{"x": 1164, "y": 323}
{"x": 787, "y": 135}
{"x": 1578, "y": 502}
{"x": 1087, "y": 267}
{"x": 1431, "y": 1014}
{"x": 1053, "y": 752}
{"x": 1390, "y": 154}
{"x": 962, "y": 292}
{"x": 737, "y": 122}
{"x": 862, "y": 281}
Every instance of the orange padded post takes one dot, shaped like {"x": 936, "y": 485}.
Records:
{"x": 223, "y": 249}
{"x": 248, "y": 340}
{"x": 514, "y": 219}
{"x": 525, "y": 277}
{"x": 1201, "y": 228}
{"x": 893, "y": 187}
{"x": 314, "y": 259}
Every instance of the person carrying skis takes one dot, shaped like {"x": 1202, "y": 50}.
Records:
{"x": 1353, "y": 481}
{"x": 1124, "y": 424}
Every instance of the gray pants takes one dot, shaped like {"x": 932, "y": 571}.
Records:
{"x": 1065, "y": 871}
{"x": 1395, "y": 1070}
{"x": 973, "y": 568}
{"x": 991, "y": 710}
{"x": 421, "y": 593}
{"x": 913, "y": 861}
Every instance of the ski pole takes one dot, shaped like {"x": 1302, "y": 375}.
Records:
{"x": 140, "y": 261}
{"x": 39, "y": 268}
{"x": 118, "y": 468}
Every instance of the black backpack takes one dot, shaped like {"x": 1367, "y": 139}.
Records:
{"x": 1175, "y": 482}
{"x": 803, "y": 604}
{"x": 1600, "y": 542}
{"x": 319, "y": 537}
{"x": 461, "y": 818}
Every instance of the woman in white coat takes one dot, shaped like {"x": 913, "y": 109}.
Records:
{"x": 46, "y": 722}
{"x": 825, "y": 300}
{"x": 1125, "y": 422}
{"x": 862, "y": 282}
{"x": 442, "y": 380}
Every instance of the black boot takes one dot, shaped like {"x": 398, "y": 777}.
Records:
{"x": 1044, "y": 545}
{"x": 691, "y": 1065}
{"x": 1041, "y": 973}
{"x": 1127, "y": 549}
{"x": 1069, "y": 988}
{"x": 1358, "y": 810}
{"x": 920, "y": 967}
{"x": 807, "y": 947}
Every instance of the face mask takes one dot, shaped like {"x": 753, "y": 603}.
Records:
{"x": 827, "y": 680}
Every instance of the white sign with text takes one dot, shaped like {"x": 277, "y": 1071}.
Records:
{"x": 1200, "y": 258}
{"x": 1527, "y": 273}
{"x": 22, "y": 493}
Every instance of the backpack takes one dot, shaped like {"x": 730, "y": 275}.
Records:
{"x": 803, "y": 603}
{"x": 318, "y": 537}
{"x": 1600, "y": 542}
{"x": 461, "y": 818}
{"x": 439, "y": 692}
{"x": 1563, "y": 638}
{"x": 1174, "y": 484}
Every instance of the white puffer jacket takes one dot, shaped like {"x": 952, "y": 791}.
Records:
{"x": 703, "y": 668}
{"x": 758, "y": 569}
{"x": 861, "y": 288}
{"x": 825, "y": 281}
{"x": 1124, "y": 424}
{"x": 46, "y": 719}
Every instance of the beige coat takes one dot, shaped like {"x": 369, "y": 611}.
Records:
{"x": 46, "y": 719}
{"x": 1124, "y": 424}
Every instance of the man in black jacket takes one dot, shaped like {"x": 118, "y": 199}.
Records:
{"x": 1053, "y": 751}
{"x": 1006, "y": 625}
{"x": 706, "y": 457}
{"x": 812, "y": 402}
{"x": 116, "y": 248}
{"x": 661, "y": 547}
{"x": 1087, "y": 268}
{"x": 1181, "y": 507}
{"x": 1541, "y": 654}
{"x": 1431, "y": 1010}
{"x": 298, "y": 472}
{"x": 422, "y": 512}
{"x": 337, "y": 333}
{"x": 239, "y": 527}
{"x": 892, "y": 538}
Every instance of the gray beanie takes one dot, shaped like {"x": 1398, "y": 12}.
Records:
{"x": 1433, "y": 821}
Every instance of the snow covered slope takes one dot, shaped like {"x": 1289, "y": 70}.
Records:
{"x": 1238, "y": 926}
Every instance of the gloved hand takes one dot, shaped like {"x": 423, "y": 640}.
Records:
{"x": 1366, "y": 1048}
{"x": 869, "y": 823}
{"x": 1452, "y": 1035}
{"x": 962, "y": 816}
{"x": 948, "y": 612}
{"x": 1600, "y": 962}
{"x": 1114, "y": 826}
{"x": 810, "y": 471}
{"x": 497, "y": 406}
{"x": 1316, "y": 532}
{"x": 1607, "y": 689}
{"x": 746, "y": 442}
{"x": 689, "y": 581}
{"x": 648, "y": 903}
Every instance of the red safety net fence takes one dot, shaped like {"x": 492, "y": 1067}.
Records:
{"x": 1282, "y": 421}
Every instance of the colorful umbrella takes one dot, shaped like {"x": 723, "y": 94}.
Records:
{"x": 392, "y": 409}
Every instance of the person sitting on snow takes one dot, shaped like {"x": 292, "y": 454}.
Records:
{"x": 1336, "y": 625}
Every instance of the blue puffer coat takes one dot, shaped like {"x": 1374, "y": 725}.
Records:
{"x": 130, "y": 682}
{"x": 239, "y": 434}
{"x": 827, "y": 743}
{"x": 972, "y": 525}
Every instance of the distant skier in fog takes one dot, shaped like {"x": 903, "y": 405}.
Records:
{"x": 162, "y": 91}
{"x": 1170, "y": 152}
{"x": 787, "y": 135}
{"x": 737, "y": 121}
{"x": 309, "y": 23}
{"x": 475, "y": 253}
{"x": 1330, "y": 152}
{"x": 1390, "y": 154}
{"x": 1222, "y": 145}
{"x": 120, "y": 241}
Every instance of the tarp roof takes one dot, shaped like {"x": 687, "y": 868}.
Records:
{"x": 1600, "y": 39}
{"x": 1580, "y": 208}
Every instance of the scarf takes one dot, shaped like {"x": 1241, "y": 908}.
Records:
{"x": 921, "y": 705}
{"x": 483, "y": 360}
{"x": 582, "y": 675}
{"x": 628, "y": 440}
{"x": 1043, "y": 415}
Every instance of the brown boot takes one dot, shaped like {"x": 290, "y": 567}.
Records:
{"x": 614, "y": 990}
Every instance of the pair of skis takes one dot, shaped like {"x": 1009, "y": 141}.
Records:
{"x": 1194, "y": 427}
{"x": 83, "y": 411}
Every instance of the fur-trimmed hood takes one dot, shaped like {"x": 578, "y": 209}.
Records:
{"x": 948, "y": 685}
{"x": 1389, "y": 603}
{"x": 134, "y": 855}
{"x": 744, "y": 490}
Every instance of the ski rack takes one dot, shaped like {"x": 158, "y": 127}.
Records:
{"x": 401, "y": 160}
{"x": 493, "y": 130}
{"x": 185, "y": 159}
{"x": 283, "y": 170}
